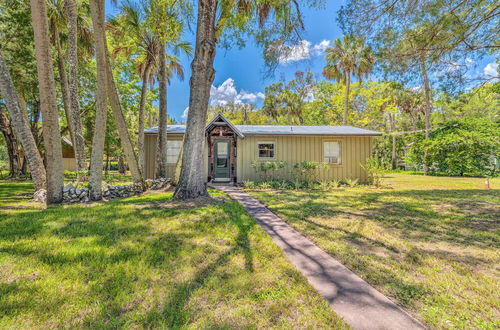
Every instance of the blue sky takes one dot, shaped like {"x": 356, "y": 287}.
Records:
{"x": 240, "y": 72}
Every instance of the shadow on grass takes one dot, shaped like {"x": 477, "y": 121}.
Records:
{"x": 459, "y": 217}
{"x": 105, "y": 240}
{"x": 427, "y": 220}
{"x": 174, "y": 314}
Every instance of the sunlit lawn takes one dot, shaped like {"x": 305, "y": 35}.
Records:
{"x": 430, "y": 243}
{"x": 144, "y": 262}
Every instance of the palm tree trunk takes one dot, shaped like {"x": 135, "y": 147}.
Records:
{"x": 161, "y": 148}
{"x": 392, "y": 123}
{"x": 142, "y": 105}
{"x": 114, "y": 101}
{"x": 428, "y": 109}
{"x": 64, "y": 82}
{"x": 97, "y": 13}
{"x": 76, "y": 120}
{"x": 192, "y": 182}
{"x": 51, "y": 133}
{"x": 346, "y": 96}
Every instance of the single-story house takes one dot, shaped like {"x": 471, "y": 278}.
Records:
{"x": 230, "y": 149}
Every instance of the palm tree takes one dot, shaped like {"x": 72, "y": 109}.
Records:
{"x": 75, "y": 120}
{"x": 167, "y": 68}
{"x": 132, "y": 24}
{"x": 58, "y": 19}
{"x": 348, "y": 56}
{"x": 97, "y": 13}
{"x": 21, "y": 127}
{"x": 45, "y": 73}
{"x": 159, "y": 29}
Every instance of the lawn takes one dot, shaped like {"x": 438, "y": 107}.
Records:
{"x": 146, "y": 262}
{"x": 432, "y": 244}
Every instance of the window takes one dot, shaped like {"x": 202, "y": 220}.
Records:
{"x": 222, "y": 154}
{"x": 332, "y": 152}
{"x": 173, "y": 150}
{"x": 266, "y": 149}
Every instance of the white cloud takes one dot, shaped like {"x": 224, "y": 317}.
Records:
{"x": 227, "y": 93}
{"x": 304, "y": 50}
{"x": 320, "y": 48}
{"x": 491, "y": 70}
{"x": 469, "y": 60}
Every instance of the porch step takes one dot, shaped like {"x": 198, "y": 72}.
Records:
{"x": 220, "y": 183}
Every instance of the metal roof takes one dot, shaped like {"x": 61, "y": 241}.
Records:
{"x": 282, "y": 130}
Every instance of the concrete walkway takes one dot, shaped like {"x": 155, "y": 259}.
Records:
{"x": 356, "y": 301}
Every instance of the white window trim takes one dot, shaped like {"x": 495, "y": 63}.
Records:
{"x": 265, "y": 142}
{"x": 341, "y": 144}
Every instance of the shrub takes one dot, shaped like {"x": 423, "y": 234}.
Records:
{"x": 375, "y": 171}
{"x": 264, "y": 185}
{"x": 351, "y": 182}
{"x": 335, "y": 183}
{"x": 465, "y": 146}
{"x": 268, "y": 169}
{"x": 324, "y": 185}
{"x": 284, "y": 185}
{"x": 308, "y": 170}
{"x": 248, "y": 184}
{"x": 297, "y": 184}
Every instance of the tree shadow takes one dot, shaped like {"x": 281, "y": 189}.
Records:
{"x": 174, "y": 313}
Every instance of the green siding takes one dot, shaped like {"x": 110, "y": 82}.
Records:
{"x": 294, "y": 149}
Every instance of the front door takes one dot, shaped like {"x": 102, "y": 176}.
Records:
{"x": 222, "y": 159}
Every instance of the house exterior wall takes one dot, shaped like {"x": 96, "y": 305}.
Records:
{"x": 150, "y": 155}
{"x": 69, "y": 164}
{"x": 289, "y": 148}
{"x": 294, "y": 149}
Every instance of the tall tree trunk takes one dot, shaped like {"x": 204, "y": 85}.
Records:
{"x": 50, "y": 126}
{"x": 21, "y": 126}
{"x": 122, "y": 168}
{"x": 161, "y": 148}
{"x": 128, "y": 148}
{"x": 428, "y": 108}
{"x": 15, "y": 165}
{"x": 192, "y": 182}
{"x": 97, "y": 12}
{"x": 76, "y": 120}
{"x": 64, "y": 82}
{"x": 150, "y": 120}
{"x": 142, "y": 105}
{"x": 392, "y": 123}
{"x": 346, "y": 96}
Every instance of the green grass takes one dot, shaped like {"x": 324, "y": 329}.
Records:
{"x": 430, "y": 243}
{"x": 146, "y": 262}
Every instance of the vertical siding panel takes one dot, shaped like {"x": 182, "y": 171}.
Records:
{"x": 354, "y": 167}
{"x": 358, "y": 157}
{"x": 348, "y": 158}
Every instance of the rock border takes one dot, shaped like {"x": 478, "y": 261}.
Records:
{"x": 72, "y": 194}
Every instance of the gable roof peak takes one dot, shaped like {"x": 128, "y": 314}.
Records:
{"x": 220, "y": 117}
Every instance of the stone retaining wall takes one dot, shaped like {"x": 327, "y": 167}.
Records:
{"x": 81, "y": 195}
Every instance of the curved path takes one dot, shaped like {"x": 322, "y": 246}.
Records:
{"x": 352, "y": 298}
